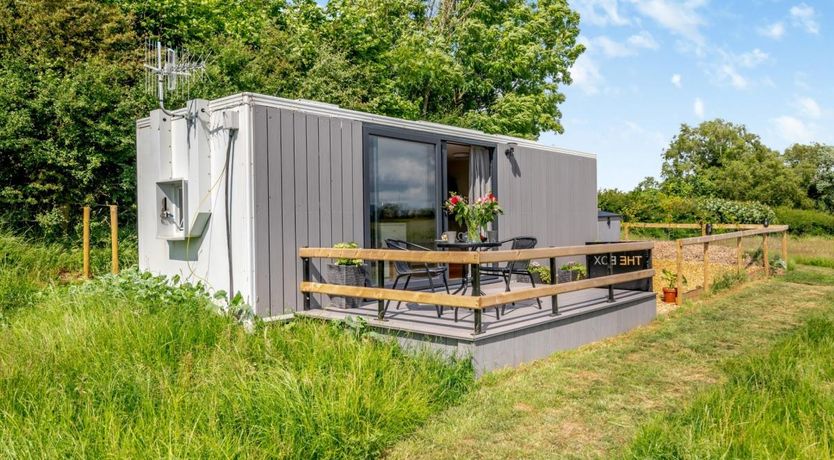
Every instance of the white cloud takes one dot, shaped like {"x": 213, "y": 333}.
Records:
{"x": 586, "y": 75}
{"x": 775, "y": 31}
{"x": 600, "y": 12}
{"x": 804, "y": 15}
{"x": 676, "y": 80}
{"x": 792, "y": 129}
{"x": 614, "y": 49}
{"x": 698, "y": 107}
{"x": 809, "y": 107}
{"x": 643, "y": 40}
{"x": 753, "y": 58}
{"x": 679, "y": 18}
{"x": 728, "y": 72}
{"x": 611, "y": 48}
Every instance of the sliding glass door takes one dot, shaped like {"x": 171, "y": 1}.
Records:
{"x": 404, "y": 190}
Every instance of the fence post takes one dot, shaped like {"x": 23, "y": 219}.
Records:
{"x": 476, "y": 291}
{"x": 738, "y": 254}
{"x": 554, "y": 279}
{"x": 706, "y": 267}
{"x": 85, "y": 235}
{"x": 625, "y": 231}
{"x": 679, "y": 274}
{"x": 380, "y": 281}
{"x": 305, "y": 276}
{"x": 764, "y": 255}
{"x": 785, "y": 247}
{"x": 703, "y": 229}
{"x": 114, "y": 238}
{"x": 610, "y": 272}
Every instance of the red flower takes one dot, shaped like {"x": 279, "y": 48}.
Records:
{"x": 454, "y": 200}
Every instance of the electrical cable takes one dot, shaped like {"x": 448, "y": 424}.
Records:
{"x": 229, "y": 178}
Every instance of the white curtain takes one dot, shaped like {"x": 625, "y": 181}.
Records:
{"x": 480, "y": 179}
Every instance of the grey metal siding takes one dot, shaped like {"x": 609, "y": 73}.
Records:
{"x": 308, "y": 192}
{"x": 550, "y": 196}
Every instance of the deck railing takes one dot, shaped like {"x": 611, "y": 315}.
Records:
{"x": 474, "y": 259}
{"x": 627, "y": 226}
{"x": 706, "y": 240}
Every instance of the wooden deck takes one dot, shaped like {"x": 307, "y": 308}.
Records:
{"x": 523, "y": 333}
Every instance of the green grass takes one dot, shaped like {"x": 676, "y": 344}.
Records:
{"x": 826, "y": 262}
{"x": 128, "y": 367}
{"x": 590, "y": 402}
{"x": 27, "y": 266}
{"x": 776, "y": 405}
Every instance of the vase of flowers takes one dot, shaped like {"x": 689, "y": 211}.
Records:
{"x": 475, "y": 215}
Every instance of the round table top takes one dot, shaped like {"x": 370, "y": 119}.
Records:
{"x": 464, "y": 245}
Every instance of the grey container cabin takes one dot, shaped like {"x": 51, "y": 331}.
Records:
{"x": 302, "y": 173}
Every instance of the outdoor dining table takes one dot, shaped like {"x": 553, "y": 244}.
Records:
{"x": 464, "y": 246}
{"x": 468, "y": 279}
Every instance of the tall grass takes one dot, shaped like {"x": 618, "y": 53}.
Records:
{"x": 26, "y": 266}
{"x": 775, "y": 405}
{"x": 111, "y": 368}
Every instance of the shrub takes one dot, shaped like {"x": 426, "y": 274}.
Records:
{"x": 806, "y": 222}
{"x": 721, "y": 211}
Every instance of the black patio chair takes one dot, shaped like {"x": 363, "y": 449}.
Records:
{"x": 407, "y": 270}
{"x": 516, "y": 267}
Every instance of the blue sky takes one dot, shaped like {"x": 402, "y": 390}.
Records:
{"x": 654, "y": 64}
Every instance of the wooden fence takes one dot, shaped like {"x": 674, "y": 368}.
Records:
{"x": 476, "y": 301}
{"x": 706, "y": 240}
{"x": 627, "y": 226}
{"x": 114, "y": 240}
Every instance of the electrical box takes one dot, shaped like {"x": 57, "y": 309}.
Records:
{"x": 183, "y": 172}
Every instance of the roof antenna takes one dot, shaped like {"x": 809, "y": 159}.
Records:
{"x": 171, "y": 71}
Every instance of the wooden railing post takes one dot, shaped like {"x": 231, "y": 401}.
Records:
{"x": 703, "y": 229}
{"x": 679, "y": 274}
{"x": 625, "y": 231}
{"x": 764, "y": 255}
{"x": 706, "y": 267}
{"x": 85, "y": 235}
{"x": 114, "y": 239}
{"x": 738, "y": 254}
{"x": 785, "y": 247}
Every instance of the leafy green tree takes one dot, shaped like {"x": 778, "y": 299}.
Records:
{"x": 71, "y": 81}
{"x": 723, "y": 159}
{"x": 814, "y": 164}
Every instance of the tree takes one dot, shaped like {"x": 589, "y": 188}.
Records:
{"x": 814, "y": 165}
{"x": 722, "y": 159}
{"x": 71, "y": 81}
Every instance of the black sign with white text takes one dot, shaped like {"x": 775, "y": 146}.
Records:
{"x": 621, "y": 262}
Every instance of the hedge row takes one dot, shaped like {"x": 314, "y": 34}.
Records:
{"x": 806, "y": 222}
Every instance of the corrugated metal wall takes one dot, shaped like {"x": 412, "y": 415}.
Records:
{"x": 308, "y": 192}
{"x": 548, "y": 195}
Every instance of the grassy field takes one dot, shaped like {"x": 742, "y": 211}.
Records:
{"x": 590, "y": 402}
{"x": 130, "y": 367}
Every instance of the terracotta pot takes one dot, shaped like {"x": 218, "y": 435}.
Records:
{"x": 670, "y": 295}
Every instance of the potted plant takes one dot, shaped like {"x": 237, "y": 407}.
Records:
{"x": 670, "y": 292}
{"x": 540, "y": 273}
{"x": 572, "y": 271}
{"x": 347, "y": 272}
{"x": 474, "y": 215}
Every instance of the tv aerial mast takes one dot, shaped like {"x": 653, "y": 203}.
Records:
{"x": 170, "y": 71}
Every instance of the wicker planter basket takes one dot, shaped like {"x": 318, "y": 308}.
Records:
{"x": 347, "y": 275}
